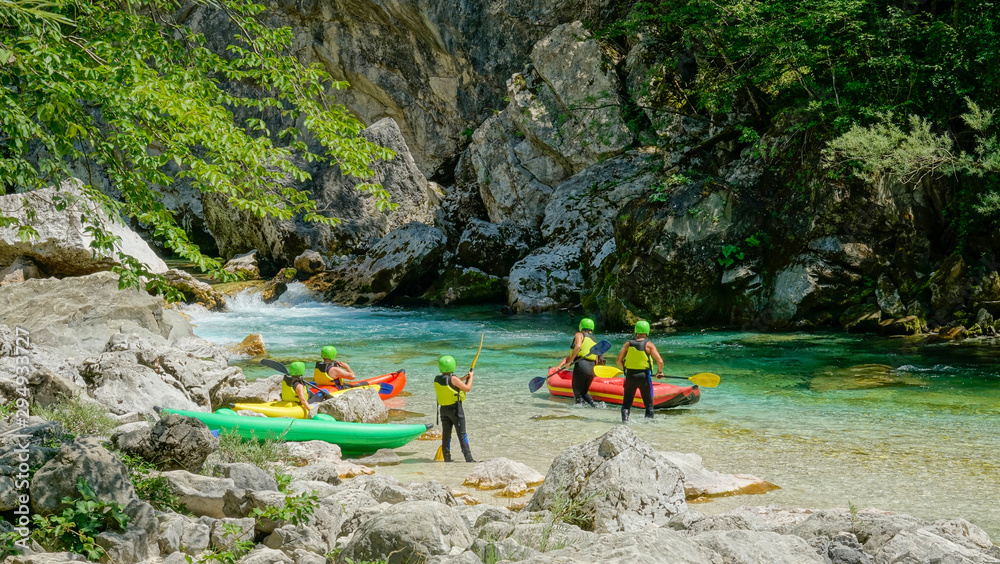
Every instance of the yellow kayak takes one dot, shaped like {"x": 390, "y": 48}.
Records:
{"x": 291, "y": 409}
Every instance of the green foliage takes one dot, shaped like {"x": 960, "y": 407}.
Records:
{"x": 730, "y": 254}
{"x": 567, "y": 510}
{"x": 662, "y": 190}
{"x": 265, "y": 453}
{"x": 78, "y": 417}
{"x": 8, "y": 546}
{"x": 149, "y": 485}
{"x": 297, "y": 510}
{"x": 143, "y": 100}
{"x": 283, "y": 481}
{"x": 75, "y": 528}
{"x": 229, "y": 552}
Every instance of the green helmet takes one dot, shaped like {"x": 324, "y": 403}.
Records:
{"x": 446, "y": 364}
{"x": 642, "y": 327}
{"x": 329, "y": 352}
{"x": 296, "y": 369}
{"x": 586, "y": 323}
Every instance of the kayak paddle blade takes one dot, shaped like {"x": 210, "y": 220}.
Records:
{"x": 601, "y": 347}
{"x": 274, "y": 364}
{"x": 706, "y": 379}
{"x": 536, "y": 383}
{"x": 606, "y": 371}
{"x": 439, "y": 456}
{"x": 385, "y": 389}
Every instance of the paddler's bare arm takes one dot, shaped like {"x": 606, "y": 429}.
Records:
{"x": 620, "y": 361}
{"x": 300, "y": 391}
{"x": 464, "y": 383}
{"x": 577, "y": 341}
{"x": 651, "y": 349}
{"x": 343, "y": 371}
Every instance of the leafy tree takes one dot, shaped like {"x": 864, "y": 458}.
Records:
{"x": 120, "y": 86}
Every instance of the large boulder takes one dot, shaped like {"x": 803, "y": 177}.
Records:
{"x": 564, "y": 115}
{"x": 408, "y": 531}
{"x": 398, "y": 259}
{"x": 176, "y": 442}
{"x": 494, "y": 247}
{"x": 83, "y": 459}
{"x": 654, "y": 546}
{"x": 547, "y": 279}
{"x": 195, "y": 291}
{"x": 362, "y": 405}
{"x": 62, "y": 246}
{"x": 77, "y": 316}
{"x": 244, "y": 265}
{"x": 619, "y": 482}
{"x": 757, "y": 547}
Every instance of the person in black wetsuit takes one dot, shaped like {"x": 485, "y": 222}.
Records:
{"x": 583, "y": 362}
{"x": 450, "y": 391}
{"x": 636, "y": 358}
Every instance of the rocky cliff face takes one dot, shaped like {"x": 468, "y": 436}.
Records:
{"x": 565, "y": 183}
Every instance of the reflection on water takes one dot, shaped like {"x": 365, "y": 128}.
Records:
{"x": 832, "y": 418}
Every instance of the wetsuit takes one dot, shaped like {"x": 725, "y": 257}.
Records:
{"x": 638, "y": 376}
{"x": 452, "y": 416}
{"x": 583, "y": 370}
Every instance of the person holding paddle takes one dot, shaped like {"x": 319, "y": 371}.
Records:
{"x": 636, "y": 358}
{"x": 583, "y": 361}
{"x": 330, "y": 371}
{"x": 450, "y": 391}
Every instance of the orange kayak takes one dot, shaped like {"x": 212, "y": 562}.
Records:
{"x": 395, "y": 379}
{"x": 610, "y": 390}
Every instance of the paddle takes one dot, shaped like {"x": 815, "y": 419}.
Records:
{"x": 703, "y": 379}
{"x": 439, "y": 455}
{"x": 537, "y": 382}
{"x": 274, "y": 364}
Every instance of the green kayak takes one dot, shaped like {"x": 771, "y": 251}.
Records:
{"x": 352, "y": 438}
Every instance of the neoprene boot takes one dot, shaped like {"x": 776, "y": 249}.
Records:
{"x": 447, "y": 454}
{"x": 649, "y": 413}
{"x": 466, "y": 450}
{"x": 625, "y": 413}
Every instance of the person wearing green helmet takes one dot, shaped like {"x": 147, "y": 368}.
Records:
{"x": 293, "y": 386}
{"x": 450, "y": 391}
{"x": 583, "y": 362}
{"x": 331, "y": 371}
{"x": 636, "y": 359}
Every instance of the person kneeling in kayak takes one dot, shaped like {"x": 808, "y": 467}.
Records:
{"x": 450, "y": 391}
{"x": 636, "y": 357}
{"x": 583, "y": 362}
{"x": 294, "y": 387}
{"x": 330, "y": 371}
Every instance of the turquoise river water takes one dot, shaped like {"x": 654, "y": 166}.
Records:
{"x": 831, "y": 418}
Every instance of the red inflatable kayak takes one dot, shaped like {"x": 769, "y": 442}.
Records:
{"x": 610, "y": 390}
{"x": 395, "y": 379}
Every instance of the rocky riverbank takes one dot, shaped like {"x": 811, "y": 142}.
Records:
{"x": 613, "y": 498}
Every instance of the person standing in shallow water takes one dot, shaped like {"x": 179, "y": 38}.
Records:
{"x": 450, "y": 391}
{"x": 636, "y": 358}
{"x": 583, "y": 362}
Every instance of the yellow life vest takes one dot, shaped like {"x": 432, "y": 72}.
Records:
{"x": 288, "y": 394}
{"x": 636, "y": 357}
{"x": 323, "y": 378}
{"x": 446, "y": 393}
{"x": 586, "y": 344}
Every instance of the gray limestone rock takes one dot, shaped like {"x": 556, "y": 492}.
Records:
{"x": 362, "y": 405}
{"x": 62, "y": 246}
{"x": 408, "y": 530}
{"x": 619, "y": 481}
{"x": 83, "y": 459}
